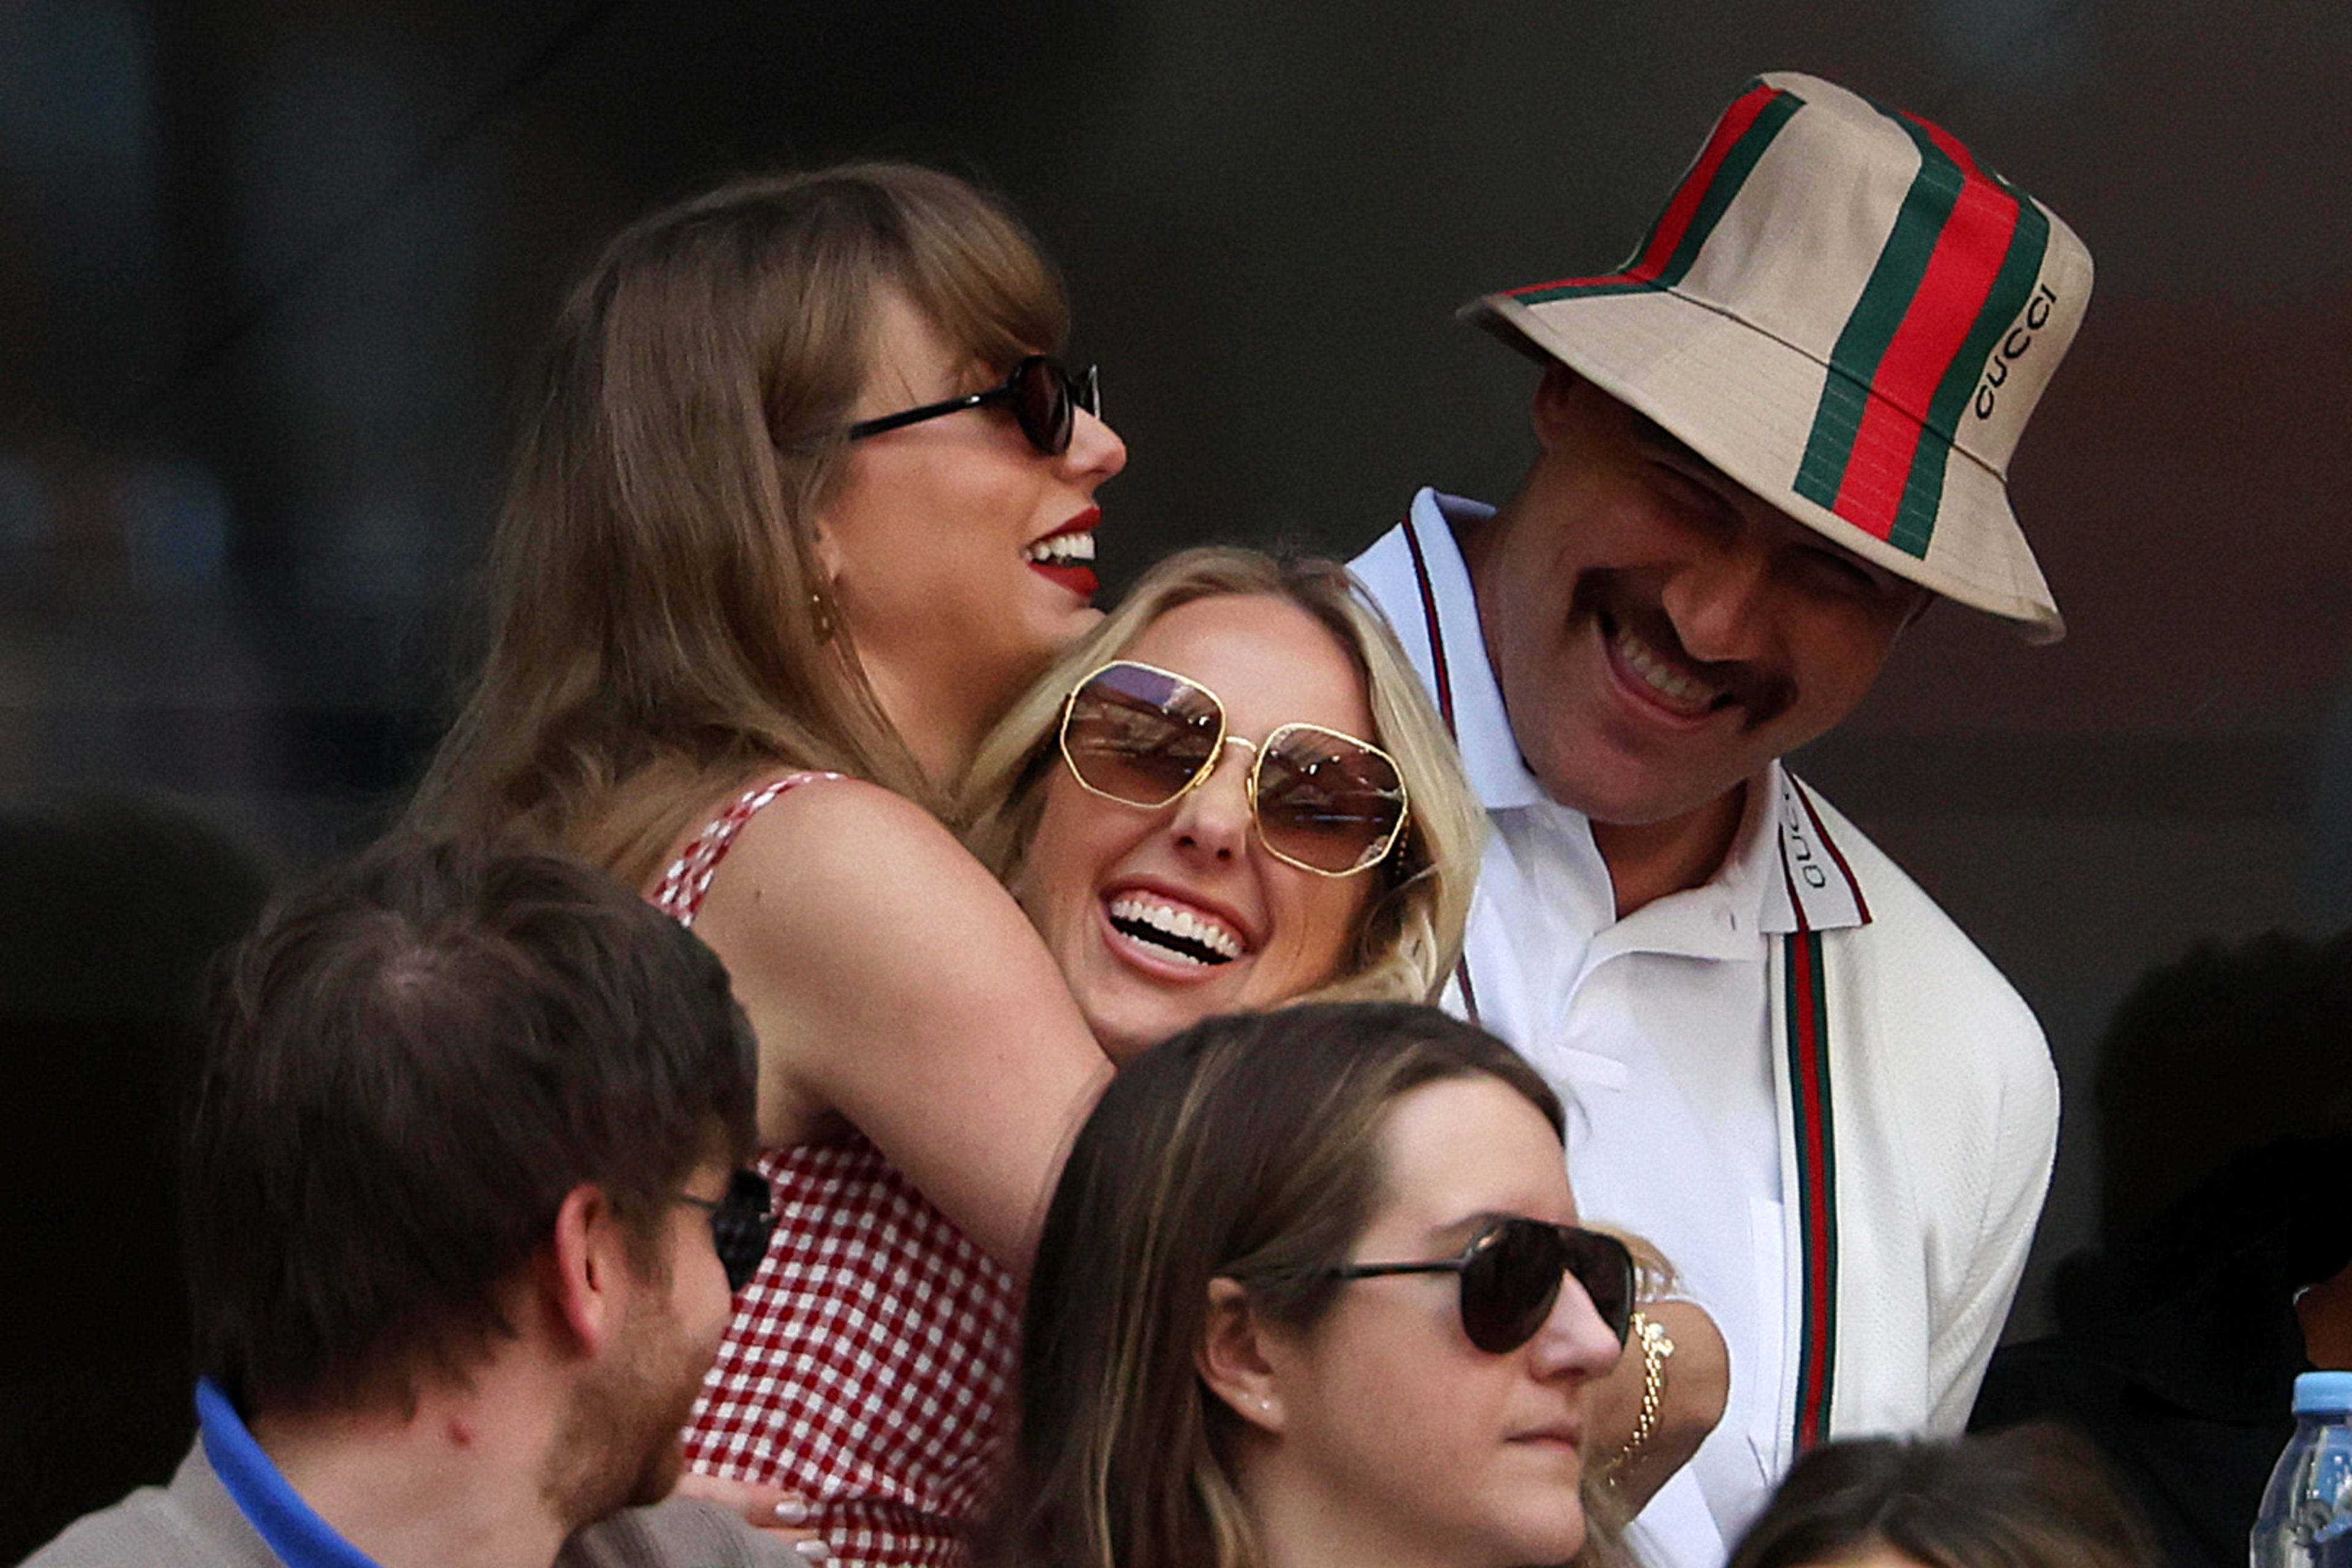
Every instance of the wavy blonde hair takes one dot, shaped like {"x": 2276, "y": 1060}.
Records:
{"x": 656, "y": 634}
{"x": 1412, "y": 935}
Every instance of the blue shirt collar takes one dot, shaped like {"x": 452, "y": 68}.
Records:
{"x": 268, "y": 1501}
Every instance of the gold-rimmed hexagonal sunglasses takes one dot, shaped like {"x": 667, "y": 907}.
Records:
{"x": 1321, "y": 799}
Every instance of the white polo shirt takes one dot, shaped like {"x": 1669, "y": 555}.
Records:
{"x": 1657, "y": 1029}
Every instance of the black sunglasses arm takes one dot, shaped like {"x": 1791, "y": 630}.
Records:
{"x": 1368, "y": 1270}
{"x": 747, "y": 1192}
{"x": 904, "y": 417}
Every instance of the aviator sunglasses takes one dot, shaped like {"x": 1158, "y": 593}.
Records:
{"x": 1323, "y": 801}
{"x": 1510, "y": 1279}
{"x": 1044, "y": 394}
{"x": 740, "y": 1224}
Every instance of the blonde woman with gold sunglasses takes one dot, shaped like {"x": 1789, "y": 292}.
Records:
{"x": 1232, "y": 793}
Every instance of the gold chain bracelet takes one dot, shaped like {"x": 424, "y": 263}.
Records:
{"x": 1655, "y": 1348}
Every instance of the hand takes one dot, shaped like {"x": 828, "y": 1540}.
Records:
{"x": 784, "y": 1514}
{"x": 1698, "y": 1383}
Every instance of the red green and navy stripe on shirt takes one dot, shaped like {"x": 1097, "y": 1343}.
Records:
{"x": 1808, "y": 1046}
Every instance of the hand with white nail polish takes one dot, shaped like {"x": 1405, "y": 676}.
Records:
{"x": 784, "y": 1514}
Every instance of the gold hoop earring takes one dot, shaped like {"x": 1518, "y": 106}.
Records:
{"x": 823, "y": 613}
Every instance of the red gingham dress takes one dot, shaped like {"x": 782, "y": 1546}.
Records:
{"x": 872, "y": 1355}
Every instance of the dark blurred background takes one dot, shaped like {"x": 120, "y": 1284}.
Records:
{"x": 270, "y": 273}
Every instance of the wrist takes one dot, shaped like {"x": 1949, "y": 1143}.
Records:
{"x": 1649, "y": 1338}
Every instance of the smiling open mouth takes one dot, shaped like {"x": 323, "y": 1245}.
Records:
{"x": 1063, "y": 550}
{"x": 1675, "y": 685}
{"x": 1178, "y": 933}
{"x": 1067, "y": 555}
{"x": 1654, "y": 658}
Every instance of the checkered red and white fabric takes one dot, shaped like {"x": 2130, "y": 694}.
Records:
{"x": 868, "y": 1362}
{"x": 871, "y": 1358}
{"x": 683, "y": 886}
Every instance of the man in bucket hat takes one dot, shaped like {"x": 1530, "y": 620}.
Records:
{"x": 1766, "y": 444}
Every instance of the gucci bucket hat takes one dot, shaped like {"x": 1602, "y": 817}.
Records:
{"x": 1849, "y": 315}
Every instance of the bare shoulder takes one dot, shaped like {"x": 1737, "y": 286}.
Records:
{"x": 868, "y": 945}
{"x": 897, "y": 988}
{"x": 837, "y": 852}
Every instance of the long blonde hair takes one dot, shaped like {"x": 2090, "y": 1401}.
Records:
{"x": 1411, "y": 937}
{"x": 657, "y": 629}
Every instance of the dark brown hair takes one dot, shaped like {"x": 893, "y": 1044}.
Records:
{"x": 2036, "y": 1496}
{"x": 1247, "y": 1148}
{"x": 410, "y": 1063}
{"x": 655, "y": 636}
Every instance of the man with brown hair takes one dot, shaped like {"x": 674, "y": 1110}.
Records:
{"x": 1765, "y": 443}
{"x": 462, "y": 1218}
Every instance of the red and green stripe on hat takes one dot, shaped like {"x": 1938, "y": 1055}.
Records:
{"x": 1849, "y": 312}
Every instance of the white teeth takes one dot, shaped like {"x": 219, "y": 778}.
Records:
{"x": 1645, "y": 661}
{"x": 1062, "y": 549}
{"x": 1156, "y": 914}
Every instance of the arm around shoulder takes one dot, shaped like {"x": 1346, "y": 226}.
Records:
{"x": 897, "y": 987}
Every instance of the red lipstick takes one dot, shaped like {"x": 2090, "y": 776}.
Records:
{"x": 1076, "y": 573}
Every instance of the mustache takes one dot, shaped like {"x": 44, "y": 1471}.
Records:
{"x": 1602, "y": 595}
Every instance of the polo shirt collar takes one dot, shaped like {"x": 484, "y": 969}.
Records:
{"x": 262, "y": 1493}
{"x": 1807, "y": 883}
{"x": 1481, "y": 728}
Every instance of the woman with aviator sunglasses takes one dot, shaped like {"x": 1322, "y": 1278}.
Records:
{"x": 1312, "y": 1291}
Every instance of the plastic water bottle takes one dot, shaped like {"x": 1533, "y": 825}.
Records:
{"x": 2306, "y": 1517}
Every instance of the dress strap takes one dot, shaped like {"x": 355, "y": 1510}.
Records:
{"x": 680, "y": 893}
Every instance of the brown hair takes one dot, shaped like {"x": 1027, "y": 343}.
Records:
{"x": 656, "y": 633}
{"x": 1412, "y": 934}
{"x": 412, "y": 1062}
{"x": 1246, "y": 1147}
{"x": 2035, "y": 1496}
